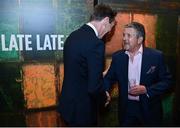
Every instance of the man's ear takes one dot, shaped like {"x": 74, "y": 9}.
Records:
{"x": 140, "y": 40}
{"x": 105, "y": 20}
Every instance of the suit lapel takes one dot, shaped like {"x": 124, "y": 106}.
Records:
{"x": 125, "y": 69}
{"x": 144, "y": 65}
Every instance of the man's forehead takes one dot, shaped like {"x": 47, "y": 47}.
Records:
{"x": 129, "y": 30}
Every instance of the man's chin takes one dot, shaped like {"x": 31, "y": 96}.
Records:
{"x": 126, "y": 48}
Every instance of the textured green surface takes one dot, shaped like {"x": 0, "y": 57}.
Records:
{"x": 166, "y": 39}
{"x": 11, "y": 95}
{"x": 71, "y": 14}
{"x": 8, "y": 26}
{"x": 168, "y": 110}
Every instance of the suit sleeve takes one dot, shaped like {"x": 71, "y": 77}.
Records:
{"x": 110, "y": 77}
{"x": 164, "y": 79}
{"x": 95, "y": 68}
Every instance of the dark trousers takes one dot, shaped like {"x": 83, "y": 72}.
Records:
{"x": 133, "y": 115}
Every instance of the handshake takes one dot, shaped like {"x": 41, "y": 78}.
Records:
{"x": 108, "y": 99}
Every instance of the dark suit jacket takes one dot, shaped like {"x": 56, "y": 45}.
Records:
{"x": 154, "y": 75}
{"x": 83, "y": 81}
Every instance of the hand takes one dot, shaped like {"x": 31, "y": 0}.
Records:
{"x": 105, "y": 72}
{"x": 137, "y": 90}
{"x": 108, "y": 98}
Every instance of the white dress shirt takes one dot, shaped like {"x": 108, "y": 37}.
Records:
{"x": 134, "y": 71}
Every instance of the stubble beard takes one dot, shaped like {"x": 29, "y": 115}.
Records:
{"x": 126, "y": 47}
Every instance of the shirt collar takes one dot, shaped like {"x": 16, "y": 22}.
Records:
{"x": 92, "y": 26}
{"x": 139, "y": 51}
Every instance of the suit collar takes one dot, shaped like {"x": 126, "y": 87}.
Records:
{"x": 140, "y": 51}
{"x": 92, "y": 26}
{"x": 89, "y": 29}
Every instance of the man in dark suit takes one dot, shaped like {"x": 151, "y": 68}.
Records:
{"x": 142, "y": 77}
{"x": 83, "y": 66}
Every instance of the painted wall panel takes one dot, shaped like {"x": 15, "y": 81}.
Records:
{"x": 39, "y": 85}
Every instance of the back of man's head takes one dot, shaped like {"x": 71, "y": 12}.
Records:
{"x": 101, "y": 11}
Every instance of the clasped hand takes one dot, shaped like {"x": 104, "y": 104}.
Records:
{"x": 137, "y": 90}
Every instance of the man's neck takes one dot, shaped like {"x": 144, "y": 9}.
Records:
{"x": 133, "y": 52}
{"x": 98, "y": 26}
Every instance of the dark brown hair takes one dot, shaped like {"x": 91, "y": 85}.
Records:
{"x": 101, "y": 11}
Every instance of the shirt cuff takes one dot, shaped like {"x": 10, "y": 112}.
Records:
{"x": 147, "y": 95}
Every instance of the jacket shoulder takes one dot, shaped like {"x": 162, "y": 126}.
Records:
{"x": 118, "y": 53}
{"x": 153, "y": 51}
